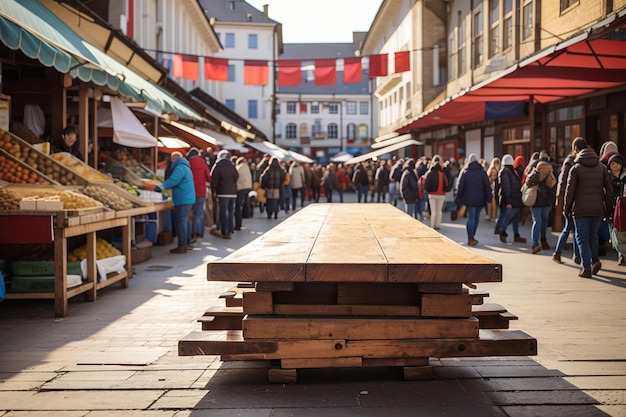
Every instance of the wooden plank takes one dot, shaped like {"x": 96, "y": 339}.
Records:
{"x": 441, "y": 288}
{"x": 350, "y": 362}
{"x": 282, "y": 376}
{"x": 346, "y": 310}
{"x": 268, "y": 327}
{"x": 308, "y": 293}
{"x": 478, "y": 296}
{"x": 220, "y": 323}
{"x": 378, "y": 294}
{"x": 418, "y": 373}
{"x": 221, "y": 311}
{"x": 396, "y": 361}
{"x": 232, "y": 345}
{"x": 258, "y": 303}
{"x": 487, "y": 309}
{"x": 236, "y": 301}
{"x": 446, "y": 305}
{"x": 274, "y": 286}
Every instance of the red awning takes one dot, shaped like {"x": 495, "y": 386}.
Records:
{"x": 571, "y": 68}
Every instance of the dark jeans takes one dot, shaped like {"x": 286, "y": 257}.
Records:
{"x": 242, "y": 204}
{"x": 315, "y": 193}
{"x": 560, "y": 244}
{"x": 473, "y": 218}
{"x": 362, "y": 191}
{"x": 182, "y": 223}
{"x": 508, "y": 214}
{"x": 587, "y": 239}
{"x": 227, "y": 214}
{"x": 198, "y": 216}
{"x": 294, "y": 196}
{"x": 541, "y": 216}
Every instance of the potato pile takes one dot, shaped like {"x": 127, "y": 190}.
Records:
{"x": 106, "y": 197}
{"x": 80, "y": 167}
{"x": 9, "y": 200}
{"x": 72, "y": 200}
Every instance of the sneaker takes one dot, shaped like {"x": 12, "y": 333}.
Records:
{"x": 585, "y": 273}
{"x": 595, "y": 268}
{"x": 180, "y": 249}
{"x": 472, "y": 242}
{"x": 519, "y": 239}
{"x": 577, "y": 260}
{"x": 216, "y": 232}
{"x": 226, "y": 236}
{"x": 545, "y": 245}
{"x": 536, "y": 249}
{"x": 557, "y": 258}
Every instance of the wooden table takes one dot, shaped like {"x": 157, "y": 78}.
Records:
{"x": 355, "y": 285}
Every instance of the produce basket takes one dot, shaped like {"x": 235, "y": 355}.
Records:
{"x": 8, "y": 170}
{"x": 80, "y": 168}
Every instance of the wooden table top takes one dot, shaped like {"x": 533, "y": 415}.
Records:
{"x": 354, "y": 243}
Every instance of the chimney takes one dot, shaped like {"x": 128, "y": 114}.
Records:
{"x": 266, "y": 14}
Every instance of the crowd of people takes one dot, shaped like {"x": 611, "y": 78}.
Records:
{"x": 219, "y": 191}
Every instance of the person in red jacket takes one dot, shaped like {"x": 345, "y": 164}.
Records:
{"x": 201, "y": 176}
{"x": 437, "y": 183}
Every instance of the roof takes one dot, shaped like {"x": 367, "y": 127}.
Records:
{"x": 234, "y": 11}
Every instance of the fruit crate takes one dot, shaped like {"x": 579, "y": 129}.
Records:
{"x": 42, "y": 268}
{"x": 40, "y": 283}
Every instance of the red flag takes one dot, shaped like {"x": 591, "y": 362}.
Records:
{"x": 215, "y": 69}
{"x": 325, "y": 72}
{"x": 352, "y": 70}
{"x": 402, "y": 61}
{"x": 289, "y": 72}
{"x": 255, "y": 72}
{"x": 378, "y": 65}
{"x": 185, "y": 66}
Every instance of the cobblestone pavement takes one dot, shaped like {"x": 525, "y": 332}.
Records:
{"x": 117, "y": 356}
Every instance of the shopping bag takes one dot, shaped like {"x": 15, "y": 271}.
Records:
{"x": 619, "y": 214}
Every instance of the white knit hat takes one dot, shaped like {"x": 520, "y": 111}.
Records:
{"x": 507, "y": 160}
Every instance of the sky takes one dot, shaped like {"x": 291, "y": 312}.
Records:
{"x": 325, "y": 21}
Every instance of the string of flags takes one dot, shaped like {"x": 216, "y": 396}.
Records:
{"x": 290, "y": 71}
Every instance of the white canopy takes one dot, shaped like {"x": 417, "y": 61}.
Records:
{"x": 127, "y": 129}
{"x": 205, "y": 137}
{"x": 227, "y": 142}
{"x": 390, "y": 141}
{"x": 278, "y": 152}
{"x": 382, "y": 151}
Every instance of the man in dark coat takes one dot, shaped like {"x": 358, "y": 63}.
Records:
{"x": 474, "y": 190}
{"x": 224, "y": 184}
{"x": 568, "y": 227}
{"x": 588, "y": 196}
{"x": 510, "y": 200}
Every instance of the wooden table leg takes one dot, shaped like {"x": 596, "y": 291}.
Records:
{"x": 126, "y": 250}
{"x": 92, "y": 270}
{"x": 60, "y": 273}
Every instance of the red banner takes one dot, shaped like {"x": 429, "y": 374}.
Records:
{"x": 379, "y": 65}
{"x": 352, "y": 70}
{"x": 255, "y": 72}
{"x": 185, "y": 66}
{"x": 402, "y": 61}
{"x": 215, "y": 69}
{"x": 325, "y": 72}
{"x": 289, "y": 72}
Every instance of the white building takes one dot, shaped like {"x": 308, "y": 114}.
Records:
{"x": 321, "y": 121}
{"x": 246, "y": 34}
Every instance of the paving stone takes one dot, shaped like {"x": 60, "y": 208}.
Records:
{"x": 562, "y": 410}
{"x": 132, "y": 413}
{"x": 78, "y": 400}
{"x": 63, "y": 413}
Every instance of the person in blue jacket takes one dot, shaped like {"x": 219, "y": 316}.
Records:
{"x": 180, "y": 182}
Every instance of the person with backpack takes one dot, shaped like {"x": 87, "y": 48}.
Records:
{"x": 541, "y": 175}
{"x": 437, "y": 183}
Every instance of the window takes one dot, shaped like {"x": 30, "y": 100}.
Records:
{"x": 231, "y": 72}
{"x": 304, "y": 130}
{"x": 229, "y": 42}
{"x": 527, "y": 28}
{"x": 351, "y": 107}
{"x": 363, "y": 135}
{"x": 230, "y": 103}
{"x": 351, "y": 131}
{"x": 333, "y": 108}
{"x": 439, "y": 64}
{"x": 252, "y": 109}
{"x": 253, "y": 41}
{"x": 478, "y": 36}
{"x": 277, "y": 108}
{"x": 316, "y": 129}
{"x": 364, "y": 107}
{"x": 291, "y": 107}
{"x": 566, "y": 4}
{"x": 333, "y": 132}
{"x": 278, "y": 130}
{"x": 303, "y": 108}
{"x": 461, "y": 51}
{"x": 452, "y": 59}
{"x": 291, "y": 131}
{"x": 507, "y": 25}
{"x": 315, "y": 107}
{"x": 494, "y": 28}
